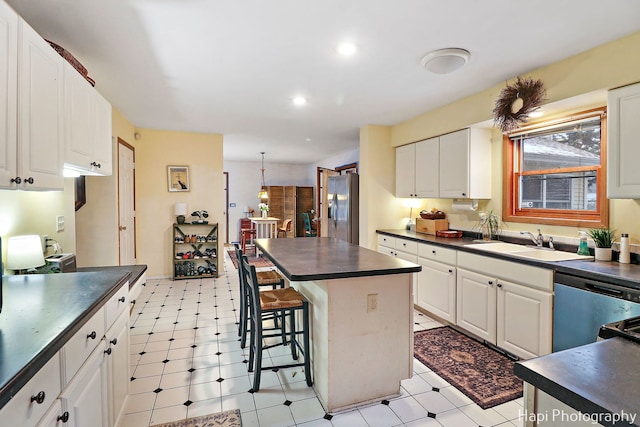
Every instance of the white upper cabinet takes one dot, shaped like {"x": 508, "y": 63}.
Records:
{"x": 8, "y": 94}
{"x": 40, "y": 121}
{"x": 417, "y": 169}
{"x": 465, "y": 164}
{"x": 623, "y": 149}
{"x": 87, "y": 126}
{"x": 456, "y": 165}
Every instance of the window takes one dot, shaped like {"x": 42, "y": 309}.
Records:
{"x": 555, "y": 173}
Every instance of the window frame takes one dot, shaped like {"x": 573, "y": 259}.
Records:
{"x": 512, "y": 212}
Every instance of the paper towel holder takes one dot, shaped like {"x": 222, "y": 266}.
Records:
{"x": 464, "y": 205}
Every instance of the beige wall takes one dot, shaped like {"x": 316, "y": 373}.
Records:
{"x": 612, "y": 65}
{"x": 155, "y": 150}
{"x": 97, "y": 235}
{"x": 34, "y": 212}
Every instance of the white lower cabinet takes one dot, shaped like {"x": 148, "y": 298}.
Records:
{"x": 476, "y": 305}
{"x": 404, "y": 249}
{"x": 84, "y": 398}
{"x": 117, "y": 360}
{"x": 506, "y": 303}
{"x": 437, "y": 289}
{"x": 55, "y": 416}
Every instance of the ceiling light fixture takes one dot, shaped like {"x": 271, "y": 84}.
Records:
{"x": 445, "y": 61}
{"x": 346, "y": 49}
{"x": 262, "y": 194}
{"x": 538, "y": 113}
{"x": 299, "y": 100}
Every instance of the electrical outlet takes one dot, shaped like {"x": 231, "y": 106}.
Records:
{"x": 372, "y": 303}
{"x": 60, "y": 223}
{"x": 44, "y": 242}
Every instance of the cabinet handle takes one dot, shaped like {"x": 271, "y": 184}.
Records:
{"x": 16, "y": 180}
{"x": 96, "y": 165}
{"x": 64, "y": 417}
{"x": 114, "y": 341}
{"x": 450, "y": 271}
{"x": 464, "y": 194}
{"x": 499, "y": 285}
{"x": 29, "y": 180}
{"x": 490, "y": 282}
{"x": 433, "y": 251}
{"x": 121, "y": 299}
{"x": 38, "y": 398}
{"x": 122, "y": 227}
{"x": 108, "y": 351}
{"x": 92, "y": 335}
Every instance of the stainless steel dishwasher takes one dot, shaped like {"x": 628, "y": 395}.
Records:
{"x": 581, "y": 306}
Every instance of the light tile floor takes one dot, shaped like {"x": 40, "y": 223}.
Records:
{"x": 186, "y": 361}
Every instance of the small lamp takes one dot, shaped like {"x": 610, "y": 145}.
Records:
{"x": 24, "y": 253}
{"x": 180, "y": 209}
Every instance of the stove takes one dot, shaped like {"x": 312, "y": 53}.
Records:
{"x": 628, "y": 328}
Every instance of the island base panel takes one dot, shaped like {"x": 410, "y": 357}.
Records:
{"x": 360, "y": 352}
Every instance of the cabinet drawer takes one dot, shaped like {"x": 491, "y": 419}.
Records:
{"x": 22, "y": 411}
{"x": 437, "y": 253}
{"x": 116, "y": 305}
{"x": 386, "y": 250}
{"x": 80, "y": 346}
{"x": 384, "y": 240}
{"x": 407, "y": 246}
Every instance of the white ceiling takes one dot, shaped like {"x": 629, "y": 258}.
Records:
{"x": 232, "y": 66}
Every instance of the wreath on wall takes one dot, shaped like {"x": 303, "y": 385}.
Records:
{"x": 516, "y": 102}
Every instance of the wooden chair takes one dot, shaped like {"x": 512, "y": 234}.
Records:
{"x": 308, "y": 231}
{"x": 248, "y": 234}
{"x": 287, "y": 301}
{"x": 265, "y": 278}
{"x": 286, "y": 227}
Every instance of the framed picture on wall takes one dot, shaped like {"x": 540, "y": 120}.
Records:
{"x": 178, "y": 178}
{"x": 350, "y": 168}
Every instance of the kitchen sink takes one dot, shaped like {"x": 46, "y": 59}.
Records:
{"x": 528, "y": 252}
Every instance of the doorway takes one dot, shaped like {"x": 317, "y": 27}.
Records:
{"x": 126, "y": 203}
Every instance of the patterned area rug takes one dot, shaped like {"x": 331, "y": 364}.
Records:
{"x": 257, "y": 261}
{"x": 221, "y": 419}
{"x": 482, "y": 374}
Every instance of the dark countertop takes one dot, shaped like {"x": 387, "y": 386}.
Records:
{"x": 322, "y": 258}
{"x": 41, "y": 312}
{"x": 135, "y": 270}
{"x": 611, "y": 272}
{"x": 595, "y": 378}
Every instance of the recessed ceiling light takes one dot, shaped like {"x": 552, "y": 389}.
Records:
{"x": 308, "y": 139}
{"x": 299, "y": 100}
{"x": 346, "y": 49}
{"x": 445, "y": 61}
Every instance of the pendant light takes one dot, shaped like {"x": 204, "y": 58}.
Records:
{"x": 262, "y": 194}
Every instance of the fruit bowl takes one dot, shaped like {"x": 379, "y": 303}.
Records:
{"x": 432, "y": 215}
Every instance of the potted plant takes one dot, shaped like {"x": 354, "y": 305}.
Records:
{"x": 490, "y": 225}
{"x": 603, "y": 239}
{"x": 201, "y": 217}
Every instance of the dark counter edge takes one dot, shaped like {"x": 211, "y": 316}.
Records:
{"x": 15, "y": 384}
{"x": 135, "y": 271}
{"x": 575, "y": 268}
{"x": 561, "y": 393}
{"x": 338, "y": 275}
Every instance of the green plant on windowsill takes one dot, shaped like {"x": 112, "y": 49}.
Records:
{"x": 489, "y": 224}
{"x": 602, "y": 237}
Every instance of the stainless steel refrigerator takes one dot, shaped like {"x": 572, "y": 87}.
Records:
{"x": 342, "y": 193}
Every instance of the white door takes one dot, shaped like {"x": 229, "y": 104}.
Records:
{"x": 437, "y": 289}
{"x": 427, "y": 168}
{"x": 40, "y": 114}
{"x": 524, "y": 320}
{"x": 126, "y": 202}
{"x": 454, "y": 157}
{"x": 476, "y": 305}
{"x": 406, "y": 170}
{"x": 8, "y": 94}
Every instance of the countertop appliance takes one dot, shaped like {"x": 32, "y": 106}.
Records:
{"x": 343, "y": 197}
{"x": 581, "y": 306}
{"x": 66, "y": 263}
{"x": 627, "y": 328}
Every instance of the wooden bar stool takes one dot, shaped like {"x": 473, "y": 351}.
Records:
{"x": 265, "y": 278}
{"x": 287, "y": 301}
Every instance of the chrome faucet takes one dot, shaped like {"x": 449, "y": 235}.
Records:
{"x": 537, "y": 240}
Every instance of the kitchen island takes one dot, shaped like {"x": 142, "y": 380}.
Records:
{"x": 361, "y": 316}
